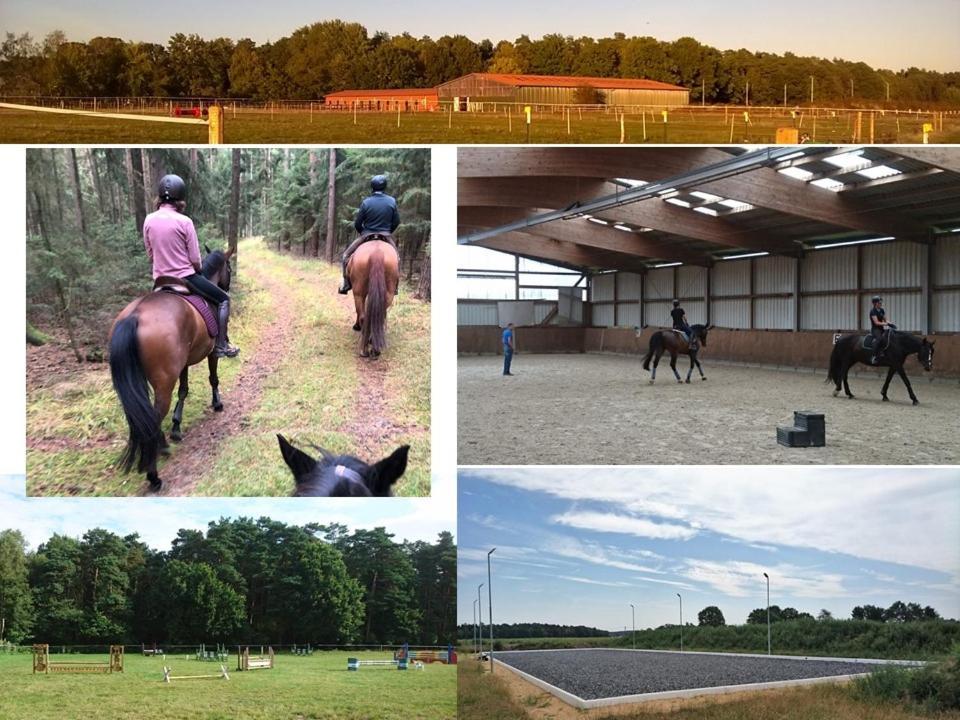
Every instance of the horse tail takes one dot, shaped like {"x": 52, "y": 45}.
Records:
{"x": 130, "y": 382}
{"x": 376, "y": 304}
{"x": 656, "y": 344}
{"x": 836, "y": 363}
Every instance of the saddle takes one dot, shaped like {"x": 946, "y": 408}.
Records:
{"x": 176, "y": 286}
{"x": 868, "y": 340}
{"x": 383, "y": 236}
{"x": 691, "y": 341}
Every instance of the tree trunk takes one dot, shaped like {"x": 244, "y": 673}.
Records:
{"x": 74, "y": 173}
{"x": 61, "y": 294}
{"x": 95, "y": 175}
{"x": 315, "y": 228}
{"x": 423, "y": 289}
{"x": 331, "y": 204}
{"x": 234, "y": 216}
{"x": 135, "y": 186}
{"x": 56, "y": 185}
{"x": 149, "y": 187}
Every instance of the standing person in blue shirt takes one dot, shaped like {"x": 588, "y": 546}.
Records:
{"x": 507, "y": 348}
{"x": 378, "y": 216}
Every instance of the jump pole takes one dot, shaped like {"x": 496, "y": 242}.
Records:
{"x": 167, "y": 677}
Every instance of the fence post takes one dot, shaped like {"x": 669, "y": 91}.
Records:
{"x": 215, "y": 125}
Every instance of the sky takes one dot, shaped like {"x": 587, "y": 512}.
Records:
{"x": 883, "y": 33}
{"x": 576, "y": 546}
{"x": 157, "y": 520}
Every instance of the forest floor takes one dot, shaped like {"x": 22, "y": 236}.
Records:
{"x": 298, "y": 374}
{"x": 687, "y": 125}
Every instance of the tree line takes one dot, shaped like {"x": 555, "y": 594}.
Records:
{"x": 532, "y": 630}
{"x": 335, "y": 55}
{"x": 243, "y": 581}
{"x": 86, "y": 207}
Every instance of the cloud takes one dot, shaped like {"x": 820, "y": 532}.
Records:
{"x": 595, "y": 554}
{"x": 624, "y": 524}
{"x": 745, "y": 579}
{"x": 829, "y": 509}
{"x": 588, "y": 581}
{"x": 665, "y": 582}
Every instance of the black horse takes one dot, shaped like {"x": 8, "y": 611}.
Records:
{"x": 850, "y": 349}
{"x": 342, "y": 475}
{"x": 676, "y": 344}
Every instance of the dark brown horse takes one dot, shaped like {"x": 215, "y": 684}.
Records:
{"x": 374, "y": 272}
{"x": 153, "y": 342}
{"x": 675, "y": 343}
{"x": 852, "y": 349}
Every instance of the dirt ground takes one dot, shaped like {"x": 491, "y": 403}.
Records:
{"x": 601, "y": 409}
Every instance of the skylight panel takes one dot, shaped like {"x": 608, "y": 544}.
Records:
{"x": 847, "y": 160}
{"x": 828, "y": 184}
{"x": 706, "y": 211}
{"x": 631, "y": 182}
{"x": 736, "y": 205}
{"x": 706, "y": 196}
{"x": 681, "y": 203}
{"x": 796, "y": 173}
{"x": 879, "y": 171}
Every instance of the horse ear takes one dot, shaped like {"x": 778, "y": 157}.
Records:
{"x": 206, "y": 249}
{"x": 298, "y": 461}
{"x": 389, "y": 470}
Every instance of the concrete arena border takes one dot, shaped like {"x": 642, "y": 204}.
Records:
{"x": 582, "y": 704}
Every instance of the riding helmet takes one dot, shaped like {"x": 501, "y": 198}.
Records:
{"x": 172, "y": 188}
{"x": 676, "y": 303}
{"x": 378, "y": 183}
{"x": 876, "y": 298}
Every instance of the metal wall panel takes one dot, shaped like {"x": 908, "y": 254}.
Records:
{"x": 905, "y": 310}
{"x": 659, "y": 284}
{"x": 602, "y": 287}
{"x": 603, "y": 315}
{"x": 774, "y": 274}
{"x": 829, "y": 312}
{"x": 946, "y": 311}
{"x": 730, "y": 278}
{"x": 570, "y": 305}
{"x": 773, "y": 314}
{"x": 730, "y": 313}
{"x": 541, "y": 310}
{"x": 829, "y": 270}
{"x": 657, "y": 314}
{"x": 628, "y": 314}
{"x": 628, "y": 286}
{"x": 696, "y": 311}
{"x": 477, "y": 313}
{"x": 691, "y": 280}
{"x": 893, "y": 264}
{"x": 947, "y": 262}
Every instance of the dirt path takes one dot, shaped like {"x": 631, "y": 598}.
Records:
{"x": 194, "y": 455}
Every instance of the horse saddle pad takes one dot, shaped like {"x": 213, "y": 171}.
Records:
{"x": 201, "y": 305}
{"x": 868, "y": 342}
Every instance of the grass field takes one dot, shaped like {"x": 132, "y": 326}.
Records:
{"x": 76, "y": 430}
{"x": 696, "y": 125}
{"x": 506, "y": 697}
{"x": 298, "y": 688}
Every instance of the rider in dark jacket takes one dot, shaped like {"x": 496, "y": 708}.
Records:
{"x": 378, "y": 216}
{"x": 879, "y": 329}
{"x": 680, "y": 323}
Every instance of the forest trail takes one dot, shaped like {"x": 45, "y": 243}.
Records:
{"x": 298, "y": 374}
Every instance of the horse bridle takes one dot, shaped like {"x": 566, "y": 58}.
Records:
{"x": 342, "y": 471}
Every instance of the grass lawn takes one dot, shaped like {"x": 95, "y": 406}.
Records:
{"x": 298, "y": 688}
{"x": 683, "y": 126}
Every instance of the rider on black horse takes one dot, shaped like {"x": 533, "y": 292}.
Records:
{"x": 879, "y": 329}
{"x": 377, "y": 219}
{"x": 680, "y": 323}
{"x": 174, "y": 251}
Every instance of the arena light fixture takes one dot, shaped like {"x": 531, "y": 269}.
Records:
{"x": 796, "y": 173}
{"x": 706, "y": 211}
{"x": 674, "y": 201}
{"x": 736, "y": 205}
{"x": 631, "y": 182}
{"x": 618, "y": 226}
{"x": 743, "y": 255}
{"x": 669, "y": 264}
{"x": 865, "y": 241}
{"x": 598, "y": 221}
{"x": 793, "y": 156}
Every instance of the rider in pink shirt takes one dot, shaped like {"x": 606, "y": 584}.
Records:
{"x": 173, "y": 248}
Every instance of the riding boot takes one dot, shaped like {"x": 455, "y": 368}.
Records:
{"x": 223, "y": 347}
{"x": 345, "y": 285}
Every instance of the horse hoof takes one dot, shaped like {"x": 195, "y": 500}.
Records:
{"x": 356, "y": 327}
{"x": 704, "y": 379}
{"x": 364, "y": 354}
{"x": 886, "y": 399}
{"x": 849, "y": 396}
{"x": 175, "y": 436}
{"x": 916, "y": 402}
{"x": 679, "y": 382}
{"x": 836, "y": 392}
{"x": 651, "y": 382}
{"x": 155, "y": 482}
{"x": 688, "y": 381}
{"x": 218, "y": 407}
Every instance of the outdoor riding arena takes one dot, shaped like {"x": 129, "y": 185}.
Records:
{"x": 777, "y": 251}
{"x": 318, "y": 685}
{"x": 171, "y": 121}
{"x": 607, "y": 678}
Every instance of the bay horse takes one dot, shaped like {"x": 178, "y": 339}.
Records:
{"x": 342, "y": 475}
{"x": 374, "y": 272}
{"x": 849, "y": 350}
{"x": 153, "y": 342}
{"x": 676, "y": 344}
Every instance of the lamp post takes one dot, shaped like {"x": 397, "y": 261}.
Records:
{"x": 475, "y": 626}
{"x": 768, "y": 612}
{"x": 480, "y": 618}
{"x": 633, "y": 624}
{"x": 681, "y": 621}
{"x": 490, "y": 606}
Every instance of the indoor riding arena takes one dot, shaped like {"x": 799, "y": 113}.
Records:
{"x": 777, "y": 252}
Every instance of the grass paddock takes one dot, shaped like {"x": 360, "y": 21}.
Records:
{"x": 313, "y": 687}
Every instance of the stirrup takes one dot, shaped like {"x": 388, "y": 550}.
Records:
{"x": 226, "y": 350}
